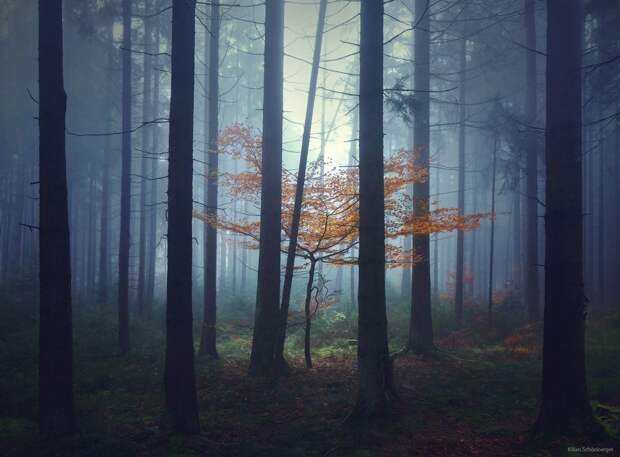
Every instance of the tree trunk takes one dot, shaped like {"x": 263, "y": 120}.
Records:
{"x": 92, "y": 233}
{"x": 180, "y": 381}
{"x": 600, "y": 256}
{"x": 565, "y": 408}
{"x": 353, "y": 163}
{"x": 375, "y": 376}
{"x": 492, "y": 238}
{"x": 104, "y": 260}
{"x": 146, "y": 150}
{"x": 308, "y": 313}
{"x": 266, "y": 321}
{"x": 532, "y": 293}
{"x": 435, "y": 283}
{"x": 208, "y": 345}
{"x": 299, "y": 193}
{"x": 123, "y": 254}
{"x": 421, "y": 325}
{"x": 516, "y": 224}
{"x": 56, "y": 405}
{"x": 154, "y": 209}
{"x": 460, "y": 234}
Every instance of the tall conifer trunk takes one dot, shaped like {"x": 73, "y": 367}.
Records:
{"x": 56, "y": 404}
{"x": 565, "y": 408}
{"x": 179, "y": 375}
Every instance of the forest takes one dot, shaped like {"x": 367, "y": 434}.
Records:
{"x": 322, "y": 228}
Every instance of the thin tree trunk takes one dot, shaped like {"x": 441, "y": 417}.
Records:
{"x": 421, "y": 324}
{"x": 600, "y": 299}
{"x": 492, "y": 238}
{"x": 308, "y": 314}
{"x": 105, "y": 196}
{"x": 435, "y": 282}
{"x": 234, "y": 239}
{"x": 179, "y": 377}
{"x": 532, "y": 293}
{"x": 375, "y": 375}
{"x": 223, "y": 255}
{"x": 152, "y": 239}
{"x": 353, "y": 162}
{"x": 244, "y": 255}
{"x": 208, "y": 345}
{"x": 516, "y": 224}
{"x": 266, "y": 322}
{"x": 123, "y": 255}
{"x": 92, "y": 233}
{"x": 56, "y": 403}
{"x": 147, "y": 149}
{"x": 460, "y": 235}
{"x": 299, "y": 192}
{"x": 565, "y": 408}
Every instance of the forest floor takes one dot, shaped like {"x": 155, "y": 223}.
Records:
{"x": 477, "y": 397}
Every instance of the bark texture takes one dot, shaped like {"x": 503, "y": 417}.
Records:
{"x": 123, "y": 254}
{"x": 56, "y": 404}
{"x": 565, "y": 408}
{"x": 421, "y": 326}
{"x": 208, "y": 345}
{"x": 179, "y": 376}
{"x": 375, "y": 376}
{"x": 262, "y": 359}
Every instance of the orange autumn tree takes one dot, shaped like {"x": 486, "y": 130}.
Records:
{"x": 329, "y": 225}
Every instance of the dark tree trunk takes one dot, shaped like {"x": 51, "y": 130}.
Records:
{"x": 565, "y": 408}
{"x": 299, "y": 194}
{"x": 375, "y": 376}
{"x": 600, "y": 255}
{"x": 144, "y": 161}
{"x": 104, "y": 261}
{"x": 516, "y": 224}
{"x": 460, "y": 235}
{"x": 244, "y": 256}
{"x": 353, "y": 163}
{"x": 435, "y": 282}
{"x": 92, "y": 233}
{"x": 154, "y": 209}
{"x": 208, "y": 338}
{"x": 180, "y": 381}
{"x": 308, "y": 313}
{"x": 262, "y": 360}
{"x": 56, "y": 408}
{"x": 492, "y": 238}
{"x": 223, "y": 253}
{"x": 532, "y": 293}
{"x": 421, "y": 326}
{"x": 123, "y": 254}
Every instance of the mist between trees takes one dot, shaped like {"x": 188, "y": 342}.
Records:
{"x": 257, "y": 197}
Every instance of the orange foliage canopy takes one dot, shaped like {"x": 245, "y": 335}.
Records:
{"x": 330, "y": 211}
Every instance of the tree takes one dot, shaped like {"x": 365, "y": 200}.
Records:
{"x": 152, "y": 238}
{"x": 328, "y": 228}
{"x": 492, "y": 237}
{"x": 421, "y": 326}
{"x": 299, "y": 193}
{"x": 262, "y": 359}
{"x": 179, "y": 377}
{"x": 564, "y": 408}
{"x": 123, "y": 254}
{"x": 532, "y": 292}
{"x": 56, "y": 404}
{"x": 375, "y": 373}
{"x": 146, "y": 148}
{"x": 208, "y": 337}
{"x": 104, "y": 260}
{"x": 458, "y": 294}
